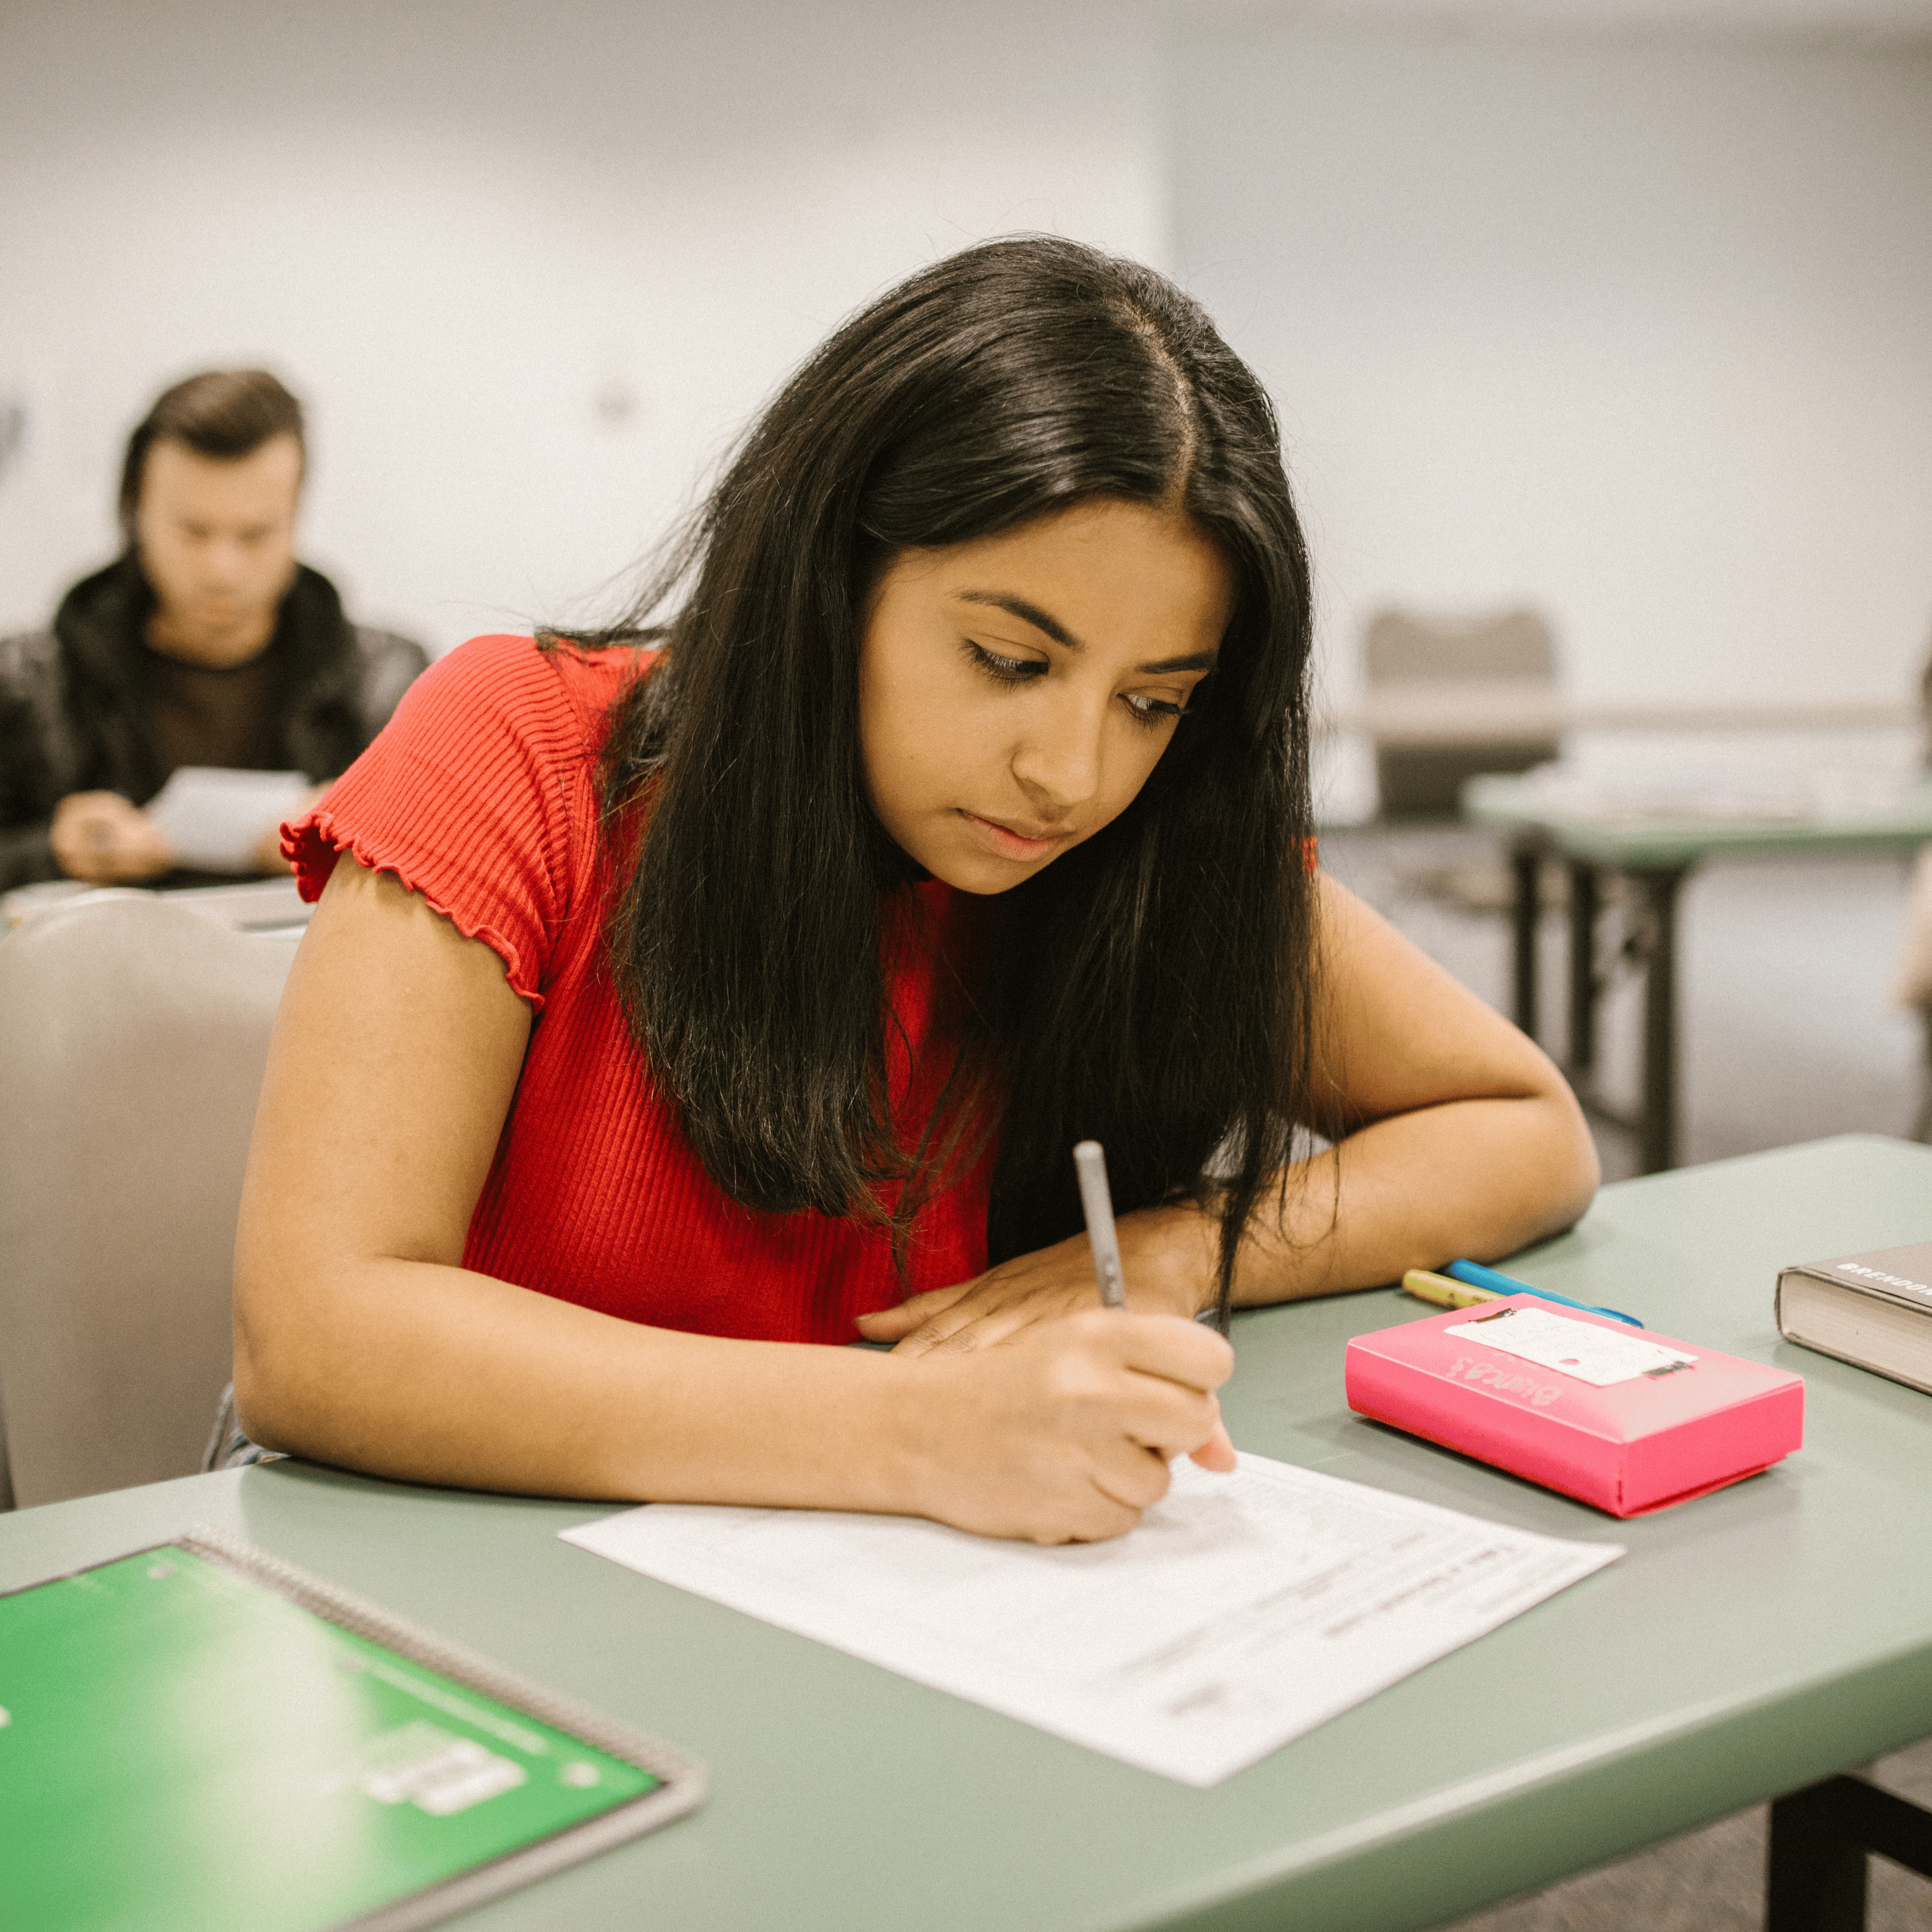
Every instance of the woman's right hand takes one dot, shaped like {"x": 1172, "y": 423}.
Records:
{"x": 1064, "y": 1433}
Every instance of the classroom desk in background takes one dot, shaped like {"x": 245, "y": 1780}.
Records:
{"x": 1655, "y": 855}
{"x": 1751, "y": 1642}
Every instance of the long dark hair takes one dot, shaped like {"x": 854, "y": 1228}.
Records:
{"x": 1154, "y": 988}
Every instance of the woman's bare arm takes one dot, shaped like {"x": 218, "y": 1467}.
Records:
{"x": 360, "y": 1339}
{"x": 1454, "y": 1135}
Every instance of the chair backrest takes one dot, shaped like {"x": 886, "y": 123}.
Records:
{"x": 133, "y": 1037}
{"x": 1513, "y": 646}
{"x": 1449, "y": 697}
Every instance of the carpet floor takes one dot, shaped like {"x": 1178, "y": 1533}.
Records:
{"x": 1713, "y": 1880}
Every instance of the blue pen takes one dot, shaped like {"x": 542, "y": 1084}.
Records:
{"x": 1476, "y": 1276}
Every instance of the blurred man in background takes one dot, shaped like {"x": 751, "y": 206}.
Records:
{"x": 205, "y": 643}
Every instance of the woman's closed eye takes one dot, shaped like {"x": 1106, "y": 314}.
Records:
{"x": 1150, "y": 710}
{"x": 1004, "y": 670}
{"x": 1144, "y": 707}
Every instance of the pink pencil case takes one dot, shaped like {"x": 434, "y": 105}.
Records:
{"x": 1617, "y": 1416}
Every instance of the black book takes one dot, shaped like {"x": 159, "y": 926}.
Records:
{"x": 1874, "y": 1311}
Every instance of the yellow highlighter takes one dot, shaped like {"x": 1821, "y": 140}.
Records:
{"x": 1425, "y": 1286}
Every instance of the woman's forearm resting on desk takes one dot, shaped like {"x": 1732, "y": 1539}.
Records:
{"x": 1454, "y": 1134}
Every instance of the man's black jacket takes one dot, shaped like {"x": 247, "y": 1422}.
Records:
{"x": 73, "y": 716}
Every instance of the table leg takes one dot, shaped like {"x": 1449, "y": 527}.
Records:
{"x": 1657, "y": 1131}
{"x": 1814, "y": 1878}
{"x": 1583, "y": 988}
{"x": 1815, "y": 1865}
{"x": 1526, "y": 862}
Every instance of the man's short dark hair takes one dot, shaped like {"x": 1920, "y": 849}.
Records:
{"x": 225, "y": 413}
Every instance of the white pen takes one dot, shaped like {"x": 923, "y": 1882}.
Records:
{"x": 1097, "y": 1204}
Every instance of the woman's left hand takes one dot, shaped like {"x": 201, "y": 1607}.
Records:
{"x": 1168, "y": 1259}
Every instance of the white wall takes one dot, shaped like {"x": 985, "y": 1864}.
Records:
{"x": 1640, "y": 329}
{"x": 452, "y": 225}
{"x": 1635, "y": 327}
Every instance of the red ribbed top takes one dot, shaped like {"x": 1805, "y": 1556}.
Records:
{"x": 479, "y": 795}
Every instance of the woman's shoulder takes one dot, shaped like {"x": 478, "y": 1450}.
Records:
{"x": 504, "y": 672}
{"x": 550, "y": 695}
{"x": 480, "y": 792}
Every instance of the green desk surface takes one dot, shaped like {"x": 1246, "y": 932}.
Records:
{"x": 1751, "y": 1641}
{"x": 1512, "y": 804}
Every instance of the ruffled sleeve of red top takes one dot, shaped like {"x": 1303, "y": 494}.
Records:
{"x": 479, "y": 795}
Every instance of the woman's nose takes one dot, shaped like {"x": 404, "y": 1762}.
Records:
{"x": 1059, "y": 762}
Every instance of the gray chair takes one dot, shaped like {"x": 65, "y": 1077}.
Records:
{"x": 134, "y": 1032}
{"x": 1446, "y": 698}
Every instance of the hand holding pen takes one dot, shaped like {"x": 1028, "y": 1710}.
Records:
{"x": 1036, "y": 1410}
{"x": 1097, "y": 1203}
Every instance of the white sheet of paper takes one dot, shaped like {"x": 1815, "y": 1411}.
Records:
{"x": 1602, "y": 1356}
{"x": 1245, "y": 1609}
{"x": 214, "y": 818}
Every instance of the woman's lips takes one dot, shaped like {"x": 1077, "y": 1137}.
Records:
{"x": 1007, "y": 843}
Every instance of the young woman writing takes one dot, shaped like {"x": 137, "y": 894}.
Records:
{"x": 681, "y": 1000}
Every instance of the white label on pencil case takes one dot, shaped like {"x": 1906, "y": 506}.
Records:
{"x": 1601, "y": 1356}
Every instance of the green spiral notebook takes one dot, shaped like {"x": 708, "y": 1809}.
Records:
{"x": 199, "y": 1736}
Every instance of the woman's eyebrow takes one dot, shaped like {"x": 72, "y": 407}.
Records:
{"x": 1043, "y": 620}
{"x": 1027, "y": 614}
